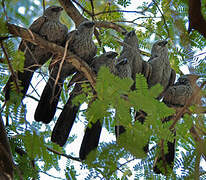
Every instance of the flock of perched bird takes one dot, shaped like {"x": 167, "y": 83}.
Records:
{"x": 127, "y": 64}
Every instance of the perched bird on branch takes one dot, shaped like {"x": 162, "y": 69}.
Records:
{"x": 80, "y": 43}
{"x": 120, "y": 68}
{"x": 49, "y": 27}
{"x": 162, "y": 72}
{"x": 176, "y": 96}
{"x": 67, "y": 117}
{"x": 131, "y": 53}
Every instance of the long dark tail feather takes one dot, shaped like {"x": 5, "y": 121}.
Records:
{"x": 25, "y": 79}
{"x": 139, "y": 116}
{"x": 66, "y": 119}
{"x": 159, "y": 167}
{"x": 90, "y": 140}
{"x": 48, "y": 102}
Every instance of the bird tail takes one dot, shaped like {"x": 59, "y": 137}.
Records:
{"x": 90, "y": 140}
{"x": 46, "y": 107}
{"x": 66, "y": 119}
{"x": 165, "y": 166}
{"x": 24, "y": 78}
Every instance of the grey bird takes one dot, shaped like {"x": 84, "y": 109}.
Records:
{"x": 131, "y": 52}
{"x": 67, "y": 117}
{"x": 120, "y": 68}
{"x": 162, "y": 72}
{"x": 80, "y": 43}
{"x": 176, "y": 96}
{"x": 49, "y": 27}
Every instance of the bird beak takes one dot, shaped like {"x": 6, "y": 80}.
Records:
{"x": 163, "y": 43}
{"x": 57, "y": 9}
{"x": 132, "y": 33}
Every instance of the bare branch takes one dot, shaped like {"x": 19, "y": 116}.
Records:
{"x": 64, "y": 155}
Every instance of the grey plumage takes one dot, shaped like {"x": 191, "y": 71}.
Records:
{"x": 177, "y": 96}
{"x": 80, "y": 43}
{"x": 181, "y": 91}
{"x": 67, "y": 117}
{"x": 162, "y": 72}
{"x": 49, "y": 27}
{"x": 91, "y": 137}
{"x": 131, "y": 52}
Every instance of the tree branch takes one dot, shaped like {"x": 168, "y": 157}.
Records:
{"x": 75, "y": 15}
{"x": 34, "y": 38}
{"x": 196, "y": 19}
{"x": 62, "y": 154}
{"x": 6, "y": 160}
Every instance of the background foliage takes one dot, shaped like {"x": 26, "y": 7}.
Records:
{"x": 153, "y": 20}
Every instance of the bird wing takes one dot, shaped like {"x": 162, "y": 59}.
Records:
{"x": 35, "y": 27}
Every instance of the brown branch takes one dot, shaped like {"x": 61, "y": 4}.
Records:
{"x": 64, "y": 155}
{"x": 75, "y": 15}
{"x": 85, "y": 10}
{"x": 111, "y": 25}
{"x": 79, "y": 64}
{"x": 196, "y": 19}
{"x": 118, "y": 10}
{"x": 72, "y": 11}
{"x": 6, "y": 159}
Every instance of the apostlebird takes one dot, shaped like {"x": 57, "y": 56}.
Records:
{"x": 67, "y": 117}
{"x": 120, "y": 68}
{"x": 162, "y": 72}
{"x": 49, "y": 27}
{"x": 81, "y": 44}
{"x": 131, "y": 53}
{"x": 176, "y": 96}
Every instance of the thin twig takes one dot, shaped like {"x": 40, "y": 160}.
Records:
{"x": 92, "y": 5}
{"x": 64, "y": 155}
{"x": 162, "y": 17}
{"x": 32, "y": 97}
{"x": 115, "y": 11}
{"x": 88, "y": 12}
{"x": 14, "y": 76}
{"x": 60, "y": 68}
{"x": 50, "y": 175}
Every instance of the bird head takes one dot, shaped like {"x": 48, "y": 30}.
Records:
{"x": 188, "y": 78}
{"x": 53, "y": 12}
{"x": 106, "y": 59}
{"x": 131, "y": 39}
{"x": 86, "y": 27}
{"x": 159, "y": 47}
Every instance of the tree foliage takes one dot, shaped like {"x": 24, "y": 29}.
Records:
{"x": 115, "y": 103}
